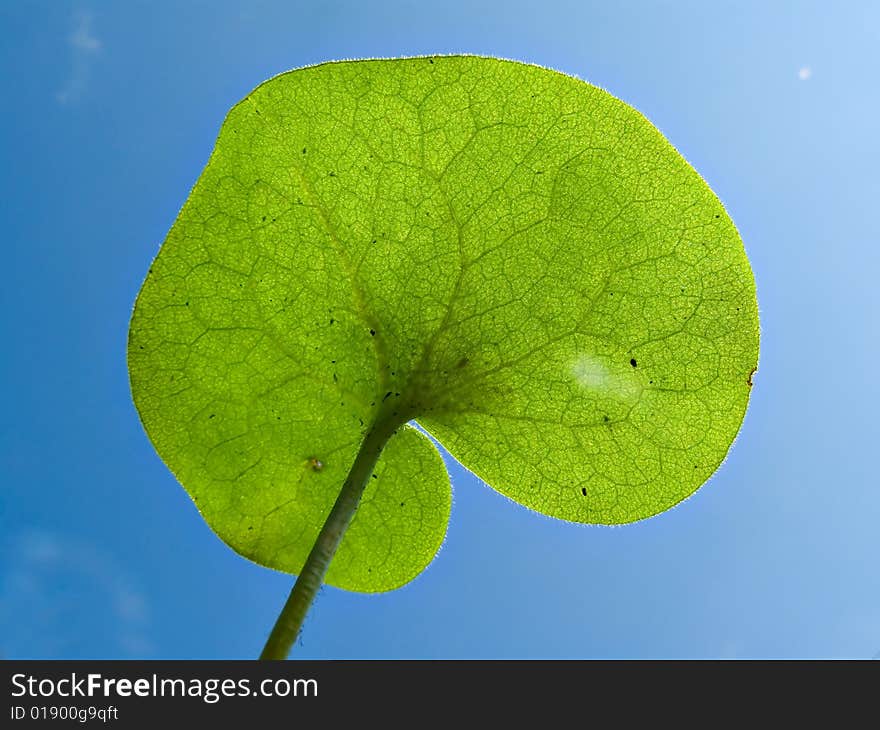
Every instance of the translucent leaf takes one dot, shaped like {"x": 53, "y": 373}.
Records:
{"x": 508, "y": 255}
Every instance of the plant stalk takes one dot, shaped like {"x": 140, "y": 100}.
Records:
{"x": 290, "y": 620}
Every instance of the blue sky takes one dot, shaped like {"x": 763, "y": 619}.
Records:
{"x": 110, "y": 112}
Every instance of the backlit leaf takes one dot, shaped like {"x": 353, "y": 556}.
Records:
{"x": 510, "y": 256}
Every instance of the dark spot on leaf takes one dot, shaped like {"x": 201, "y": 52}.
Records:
{"x": 304, "y": 150}
{"x": 463, "y": 362}
{"x": 250, "y": 527}
{"x": 751, "y": 373}
{"x": 372, "y": 333}
{"x": 315, "y": 464}
{"x": 402, "y": 504}
{"x": 211, "y": 416}
{"x": 332, "y": 320}
{"x": 264, "y": 217}
{"x": 374, "y": 476}
{"x": 387, "y": 396}
{"x": 633, "y": 362}
{"x": 606, "y": 419}
{"x": 186, "y": 304}
{"x": 332, "y": 174}
{"x": 584, "y": 491}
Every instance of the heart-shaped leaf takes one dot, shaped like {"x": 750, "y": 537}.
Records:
{"x": 511, "y": 257}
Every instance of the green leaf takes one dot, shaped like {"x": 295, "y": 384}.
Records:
{"x": 511, "y": 256}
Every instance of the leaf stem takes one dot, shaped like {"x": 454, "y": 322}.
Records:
{"x": 290, "y": 620}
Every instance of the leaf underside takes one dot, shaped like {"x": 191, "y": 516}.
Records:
{"x": 510, "y": 256}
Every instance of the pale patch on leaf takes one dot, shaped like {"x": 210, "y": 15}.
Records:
{"x": 619, "y": 383}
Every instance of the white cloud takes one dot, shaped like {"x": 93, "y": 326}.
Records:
{"x": 84, "y": 46}
{"x": 731, "y": 649}
{"x": 804, "y": 73}
{"x": 51, "y": 586}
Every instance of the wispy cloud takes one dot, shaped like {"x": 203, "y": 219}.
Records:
{"x": 84, "y": 46}
{"x": 730, "y": 649}
{"x": 53, "y": 591}
{"x": 805, "y": 73}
